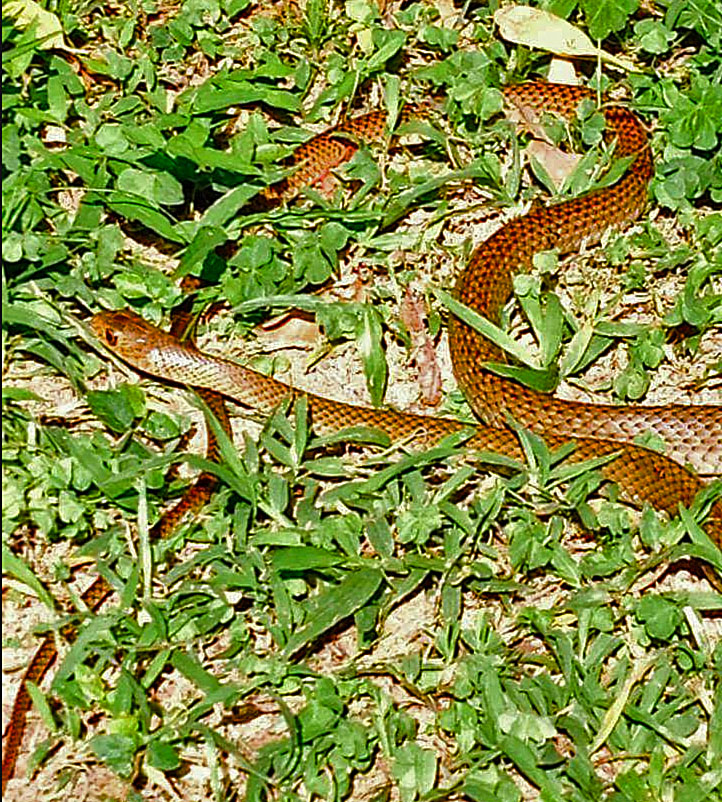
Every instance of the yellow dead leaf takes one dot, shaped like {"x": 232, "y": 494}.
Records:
{"x": 48, "y": 31}
{"x": 540, "y": 29}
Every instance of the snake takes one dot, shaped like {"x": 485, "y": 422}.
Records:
{"x": 100, "y": 589}
{"x": 692, "y": 433}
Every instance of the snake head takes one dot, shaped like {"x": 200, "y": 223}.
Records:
{"x": 128, "y": 336}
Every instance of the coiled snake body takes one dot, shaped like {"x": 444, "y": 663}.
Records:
{"x": 693, "y": 434}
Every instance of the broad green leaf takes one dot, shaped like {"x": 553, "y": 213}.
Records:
{"x": 607, "y": 16}
{"x": 334, "y": 605}
{"x": 487, "y": 329}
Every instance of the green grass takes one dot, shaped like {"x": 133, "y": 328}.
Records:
{"x": 345, "y": 622}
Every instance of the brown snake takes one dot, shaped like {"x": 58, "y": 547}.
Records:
{"x": 100, "y": 589}
{"x": 693, "y": 434}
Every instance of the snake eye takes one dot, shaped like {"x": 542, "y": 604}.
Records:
{"x": 110, "y": 337}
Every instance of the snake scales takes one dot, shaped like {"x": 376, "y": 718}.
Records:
{"x": 693, "y": 434}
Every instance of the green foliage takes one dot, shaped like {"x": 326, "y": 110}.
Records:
{"x": 607, "y": 16}
{"x": 137, "y": 157}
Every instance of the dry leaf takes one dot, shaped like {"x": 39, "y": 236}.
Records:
{"x": 558, "y": 164}
{"x": 413, "y": 316}
{"x": 562, "y": 71}
{"x": 49, "y": 31}
{"x": 540, "y": 29}
{"x": 289, "y": 330}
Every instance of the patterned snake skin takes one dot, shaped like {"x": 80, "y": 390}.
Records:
{"x": 644, "y": 475}
{"x": 693, "y": 434}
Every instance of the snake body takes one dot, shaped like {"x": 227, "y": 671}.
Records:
{"x": 99, "y": 589}
{"x": 643, "y": 474}
{"x": 693, "y": 433}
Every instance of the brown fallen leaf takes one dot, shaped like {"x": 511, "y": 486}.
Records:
{"x": 292, "y": 329}
{"x": 558, "y": 164}
{"x": 423, "y": 353}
